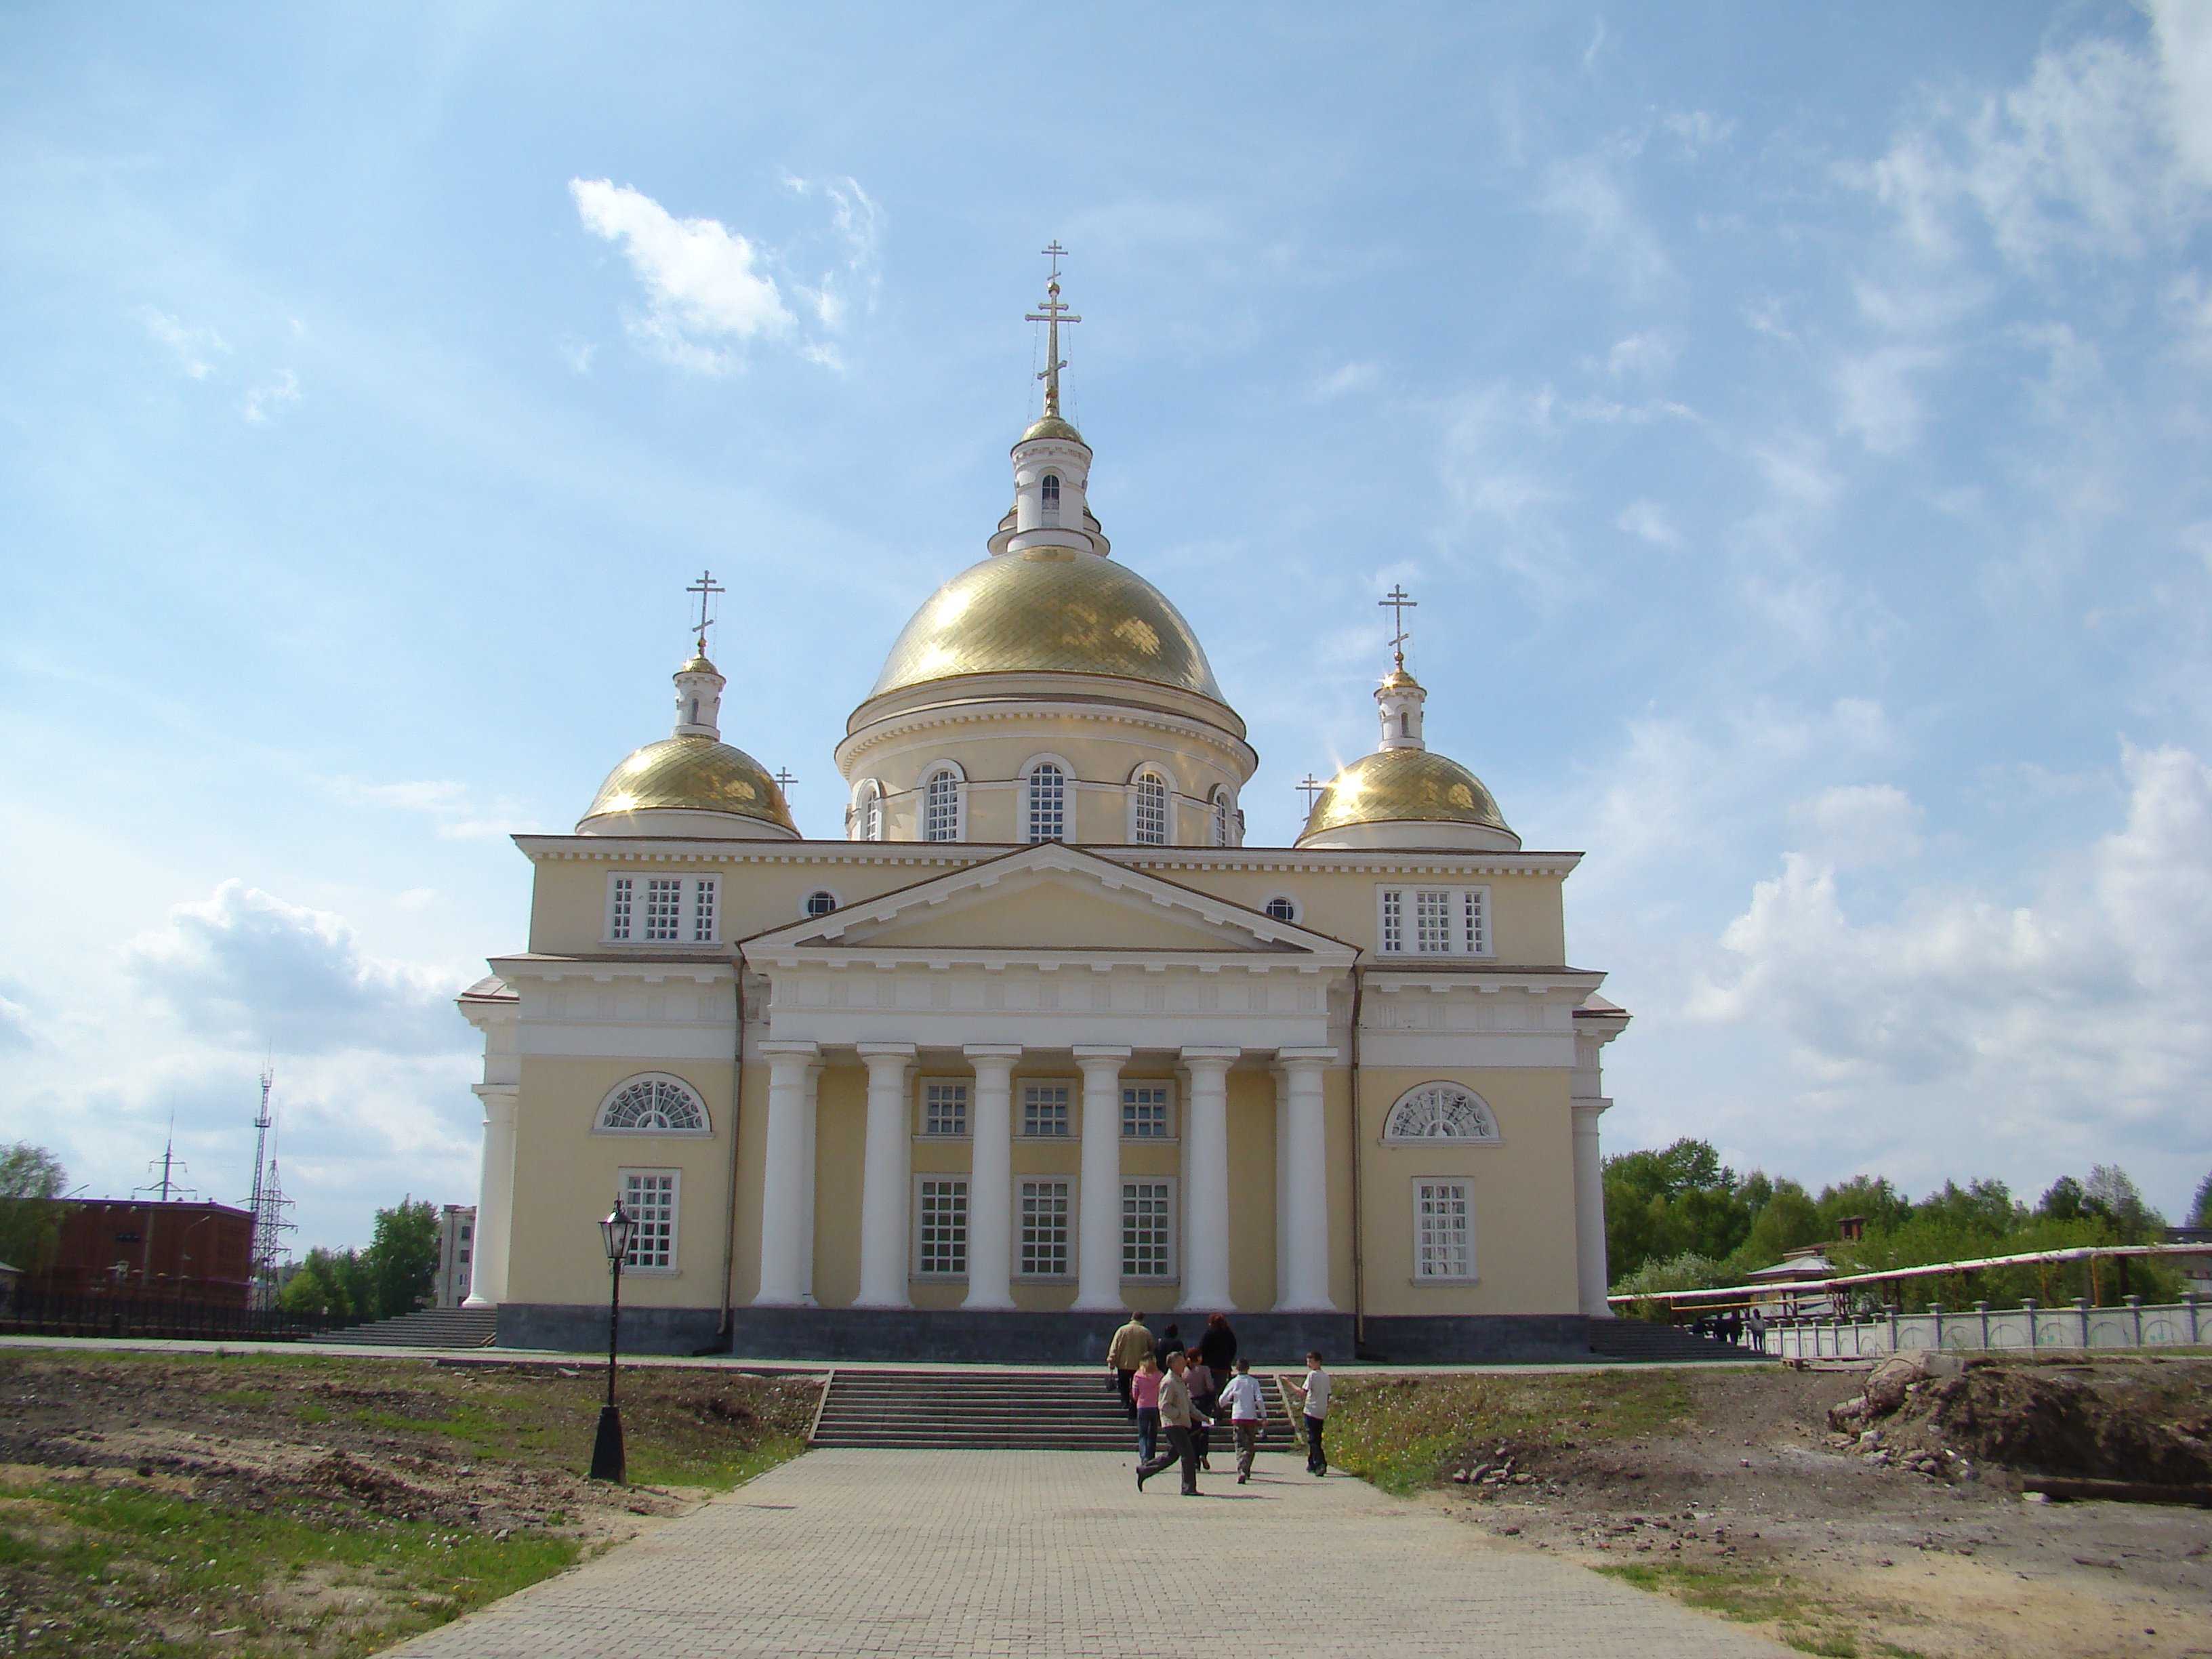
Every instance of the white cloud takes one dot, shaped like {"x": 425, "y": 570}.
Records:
{"x": 577, "y": 353}
{"x": 2188, "y": 305}
{"x": 2183, "y": 31}
{"x": 14, "y": 1023}
{"x": 1342, "y": 382}
{"x": 1878, "y": 403}
{"x": 1648, "y": 354}
{"x": 704, "y": 286}
{"x": 459, "y": 816}
{"x": 1697, "y": 130}
{"x": 856, "y": 225}
{"x": 195, "y": 349}
{"x": 1586, "y": 195}
{"x": 1648, "y": 522}
{"x": 1861, "y": 823}
{"x": 270, "y": 395}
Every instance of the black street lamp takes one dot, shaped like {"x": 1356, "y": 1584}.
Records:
{"x": 607, "y": 1449}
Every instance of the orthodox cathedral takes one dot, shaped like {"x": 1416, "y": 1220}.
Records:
{"x": 1044, "y": 1039}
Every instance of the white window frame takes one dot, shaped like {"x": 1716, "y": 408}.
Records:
{"x": 866, "y": 823}
{"x": 1174, "y": 1241}
{"x": 1163, "y": 833}
{"x": 1421, "y": 1191}
{"x": 706, "y": 909}
{"x": 1297, "y": 912}
{"x": 1027, "y": 824}
{"x": 836, "y": 904}
{"x": 673, "y": 1266}
{"x": 628, "y": 911}
{"x": 1218, "y": 809}
{"x": 1067, "y": 1086}
{"x": 1068, "y": 1230}
{"x": 601, "y": 1127}
{"x": 664, "y": 909}
{"x": 1462, "y": 912}
{"x": 934, "y": 771}
{"x": 1167, "y": 1135}
{"x": 967, "y": 1185}
{"x": 1392, "y": 1138}
{"x": 922, "y": 1086}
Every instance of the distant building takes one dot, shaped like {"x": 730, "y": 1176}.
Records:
{"x": 457, "y": 1249}
{"x": 131, "y": 1247}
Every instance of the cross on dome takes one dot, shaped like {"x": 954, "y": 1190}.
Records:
{"x": 784, "y": 779}
{"x": 705, "y": 588}
{"x": 1397, "y": 602}
{"x": 1312, "y": 785}
{"x": 1052, "y": 315}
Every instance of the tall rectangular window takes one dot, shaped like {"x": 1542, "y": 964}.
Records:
{"x": 940, "y": 808}
{"x": 649, "y": 1196}
{"x": 1432, "y": 919}
{"x": 943, "y": 1106}
{"x": 1047, "y": 802}
{"x": 663, "y": 908}
{"x": 1474, "y": 916}
{"x": 1044, "y": 1229}
{"x": 941, "y": 1226}
{"x": 1394, "y": 919}
{"x": 621, "y": 892}
{"x": 1147, "y": 1220}
{"x": 703, "y": 910}
{"x": 1045, "y": 1108}
{"x": 1152, "y": 810}
{"x": 1444, "y": 1230}
{"x": 1145, "y": 1111}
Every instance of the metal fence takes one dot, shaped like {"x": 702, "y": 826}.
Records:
{"x": 2029, "y": 1327}
{"x": 30, "y": 1312}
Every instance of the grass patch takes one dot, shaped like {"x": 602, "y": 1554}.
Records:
{"x": 1801, "y": 1618}
{"x": 1406, "y": 1433}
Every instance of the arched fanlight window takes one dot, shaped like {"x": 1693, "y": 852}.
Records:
{"x": 1148, "y": 817}
{"x": 654, "y": 1105}
{"x": 1440, "y": 1111}
{"x": 1049, "y": 492}
{"x": 1221, "y": 817}
{"x": 821, "y": 902}
{"x": 940, "y": 806}
{"x": 1048, "y": 802}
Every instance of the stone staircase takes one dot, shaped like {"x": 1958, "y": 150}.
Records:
{"x": 1633, "y": 1339}
{"x": 976, "y": 1410}
{"x": 430, "y": 1327}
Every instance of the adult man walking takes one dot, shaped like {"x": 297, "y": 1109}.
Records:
{"x": 1241, "y": 1401}
{"x": 1131, "y": 1344}
{"x": 1177, "y": 1417}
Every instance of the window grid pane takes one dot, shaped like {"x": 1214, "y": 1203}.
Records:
{"x": 664, "y": 906}
{"x": 1047, "y": 802}
{"x": 1044, "y": 1108}
{"x": 1394, "y": 919}
{"x": 1220, "y": 819}
{"x": 1145, "y": 1214}
{"x": 1151, "y": 811}
{"x": 650, "y": 1198}
{"x": 1432, "y": 922}
{"x": 618, "y": 921}
{"x": 941, "y": 810}
{"x": 702, "y": 912}
{"x": 1145, "y": 1111}
{"x": 1442, "y": 1241}
{"x": 1282, "y": 909}
{"x": 1471, "y": 913}
{"x": 1044, "y": 1228}
{"x": 945, "y": 1109}
{"x": 944, "y": 1237}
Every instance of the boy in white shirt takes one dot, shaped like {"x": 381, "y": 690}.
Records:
{"x": 1241, "y": 1401}
{"x": 1316, "y": 1392}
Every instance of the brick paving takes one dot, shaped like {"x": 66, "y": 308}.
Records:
{"x": 939, "y": 1552}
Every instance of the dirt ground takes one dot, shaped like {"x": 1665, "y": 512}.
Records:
{"x": 1755, "y": 1499}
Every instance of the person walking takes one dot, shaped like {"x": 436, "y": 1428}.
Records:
{"x": 1144, "y": 1392}
{"x": 1217, "y": 1346}
{"x": 1177, "y": 1418}
{"x": 1170, "y": 1345}
{"x": 1131, "y": 1344}
{"x": 1204, "y": 1391}
{"x": 1313, "y": 1393}
{"x": 1243, "y": 1402}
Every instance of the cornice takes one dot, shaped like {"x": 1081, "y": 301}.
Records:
{"x": 1015, "y": 710}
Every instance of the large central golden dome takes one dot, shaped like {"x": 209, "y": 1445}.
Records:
{"x": 1049, "y": 609}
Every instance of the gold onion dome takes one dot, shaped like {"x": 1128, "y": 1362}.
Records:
{"x": 693, "y": 774}
{"x": 1053, "y": 611}
{"x": 1404, "y": 786}
{"x": 1051, "y": 426}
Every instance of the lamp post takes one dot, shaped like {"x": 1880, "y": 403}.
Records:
{"x": 607, "y": 1449}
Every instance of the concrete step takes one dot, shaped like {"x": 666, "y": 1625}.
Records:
{"x": 1070, "y": 1411}
{"x": 430, "y": 1327}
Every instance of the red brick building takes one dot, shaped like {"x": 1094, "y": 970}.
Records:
{"x": 190, "y": 1252}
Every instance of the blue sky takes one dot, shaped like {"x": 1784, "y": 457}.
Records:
{"x": 1793, "y": 425}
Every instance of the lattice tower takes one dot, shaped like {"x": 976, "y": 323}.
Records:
{"x": 268, "y": 1203}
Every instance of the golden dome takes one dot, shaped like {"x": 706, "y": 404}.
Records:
{"x": 693, "y": 774}
{"x": 1049, "y": 609}
{"x": 1404, "y": 786}
{"x": 1051, "y": 426}
{"x": 699, "y": 664}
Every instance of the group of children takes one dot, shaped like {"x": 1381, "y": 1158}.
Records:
{"x": 1198, "y": 1386}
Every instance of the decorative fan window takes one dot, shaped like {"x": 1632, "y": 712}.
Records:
{"x": 655, "y": 1105}
{"x": 1440, "y": 1111}
{"x": 940, "y": 806}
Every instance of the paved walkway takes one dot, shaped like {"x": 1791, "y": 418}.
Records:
{"x": 940, "y": 1552}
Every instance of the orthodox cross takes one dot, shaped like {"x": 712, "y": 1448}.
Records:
{"x": 1398, "y": 604}
{"x": 1313, "y": 786}
{"x": 705, "y": 588}
{"x": 1054, "y": 314}
{"x": 784, "y": 779}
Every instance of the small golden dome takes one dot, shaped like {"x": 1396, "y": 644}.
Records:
{"x": 699, "y": 664}
{"x": 1051, "y": 426}
{"x": 693, "y": 774}
{"x": 1049, "y": 609}
{"x": 1404, "y": 786}
{"x": 1398, "y": 679}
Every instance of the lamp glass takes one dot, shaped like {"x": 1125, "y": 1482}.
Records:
{"x": 615, "y": 1230}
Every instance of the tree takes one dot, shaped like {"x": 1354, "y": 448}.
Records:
{"x": 2200, "y": 1208}
{"x": 1871, "y": 1198}
{"x": 402, "y": 1257}
{"x": 2062, "y": 1202}
{"x": 2110, "y": 1192}
{"x": 1787, "y": 1221}
{"x": 316, "y": 1287}
{"x": 30, "y": 1226}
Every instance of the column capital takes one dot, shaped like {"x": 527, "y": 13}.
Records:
{"x": 789, "y": 1048}
{"x": 993, "y": 1050}
{"x": 1587, "y": 1108}
{"x": 1210, "y": 1054}
{"x": 885, "y": 1051}
{"x": 1288, "y": 1058}
{"x": 1089, "y": 1059}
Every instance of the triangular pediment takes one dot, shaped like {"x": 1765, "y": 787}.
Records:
{"x": 1051, "y": 899}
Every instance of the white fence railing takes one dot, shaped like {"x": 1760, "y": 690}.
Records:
{"x": 2185, "y": 1323}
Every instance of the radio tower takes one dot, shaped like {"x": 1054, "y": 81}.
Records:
{"x": 268, "y": 1202}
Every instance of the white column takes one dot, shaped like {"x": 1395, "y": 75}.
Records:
{"x": 1589, "y": 1209}
{"x": 884, "y": 1162}
{"x": 810, "y": 1114}
{"x": 783, "y": 1160}
{"x": 494, "y": 1197}
{"x": 1305, "y": 1278}
{"x": 1206, "y": 1180}
{"x": 1098, "y": 1242}
{"x": 990, "y": 1178}
{"x": 1282, "y": 1189}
